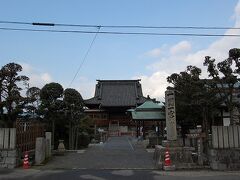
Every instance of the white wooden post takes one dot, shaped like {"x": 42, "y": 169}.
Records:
{"x": 1, "y": 137}
{"x": 12, "y": 144}
{"x": 6, "y": 138}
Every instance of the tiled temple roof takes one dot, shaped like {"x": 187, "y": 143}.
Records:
{"x": 117, "y": 93}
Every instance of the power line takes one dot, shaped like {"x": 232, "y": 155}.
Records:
{"x": 15, "y": 22}
{"x": 120, "y": 33}
{"x": 85, "y": 56}
{"x": 119, "y": 26}
{"x": 149, "y": 27}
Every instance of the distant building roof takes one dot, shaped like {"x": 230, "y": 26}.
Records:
{"x": 117, "y": 93}
{"x": 148, "y": 111}
{"x": 148, "y": 115}
{"x": 149, "y": 106}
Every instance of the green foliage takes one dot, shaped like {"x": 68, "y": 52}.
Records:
{"x": 85, "y": 125}
{"x": 195, "y": 101}
{"x": 33, "y": 100}
{"x": 224, "y": 78}
{"x": 61, "y": 110}
{"x": 234, "y": 54}
{"x": 33, "y": 94}
{"x": 74, "y": 114}
{"x": 198, "y": 100}
{"x": 51, "y": 104}
{"x": 73, "y": 97}
{"x": 86, "y": 132}
{"x": 10, "y": 97}
{"x": 50, "y": 93}
{"x": 84, "y": 140}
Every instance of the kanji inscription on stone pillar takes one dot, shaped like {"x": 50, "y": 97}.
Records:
{"x": 170, "y": 115}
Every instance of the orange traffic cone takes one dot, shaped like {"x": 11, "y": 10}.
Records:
{"x": 25, "y": 161}
{"x": 167, "y": 161}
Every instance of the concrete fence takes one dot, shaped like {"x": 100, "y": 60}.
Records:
{"x": 7, "y": 138}
{"x": 225, "y": 152}
{"x": 225, "y": 137}
{"x": 8, "y": 152}
{"x": 43, "y": 148}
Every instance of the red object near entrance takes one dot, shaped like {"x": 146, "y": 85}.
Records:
{"x": 167, "y": 161}
{"x": 26, "y": 161}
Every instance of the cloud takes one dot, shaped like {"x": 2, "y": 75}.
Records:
{"x": 37, "y": 78}
{"x": 27, "y": 68}
{"x": 85, "y": 86}
{"x": 156, "y": 52}
{"x": 154, "y": 85}
{"x": 181, "y": 47}
{"x": 169, "y": 64}
{"x": 219, "y": 48}
{"x": 237, "y": 13}
{"x": 181, "y": 55}
{"x": 46, "y": 77}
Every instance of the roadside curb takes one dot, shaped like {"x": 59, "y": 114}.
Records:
{"x": 114, "y": 169}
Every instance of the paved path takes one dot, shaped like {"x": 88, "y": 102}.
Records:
{"x": 117, "y": 153}
{"x": 93, "y": 174}
{"x": 119, "y": 143}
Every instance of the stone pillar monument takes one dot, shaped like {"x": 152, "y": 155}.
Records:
{"x": 180, "y": 156}
{"x": 170, "y": 115}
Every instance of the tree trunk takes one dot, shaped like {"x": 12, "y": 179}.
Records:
{"x": 232, "y": 122}
{"x": 1, "y": 108}
{"x": 205, "y": 127}
{"x": 95, "y": 130}
{"x": 76, "y": 144}
{"x": 53, "y": 132}
{"x": 213, "y": 120}
{"x": 70, "y": 136}
{"x": 9, "y": 116}
{"x": 204, "y": 121}
{"x": 158, "y": 129}
{"x": 144, "y": 130}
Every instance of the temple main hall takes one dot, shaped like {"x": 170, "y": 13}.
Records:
{"x": 108, "y": 108}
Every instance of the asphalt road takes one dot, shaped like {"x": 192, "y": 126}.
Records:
{"x": 118, "y": 158}
{"x": 117, "y": 153}
{"x": 124, "y": 174}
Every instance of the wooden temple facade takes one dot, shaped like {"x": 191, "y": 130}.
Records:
{"x": 148, "y": 116}
{"x": 108, "y": 108}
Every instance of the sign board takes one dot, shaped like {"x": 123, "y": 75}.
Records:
{"x": 171, "y": 115}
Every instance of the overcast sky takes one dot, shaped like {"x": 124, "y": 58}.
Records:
{"x": 48, "y": 57}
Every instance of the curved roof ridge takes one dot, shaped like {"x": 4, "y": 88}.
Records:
{"x": 118, "y": 80}
{"x": 116, "y": 93}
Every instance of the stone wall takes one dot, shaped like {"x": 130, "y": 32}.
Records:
{"x": 8, "y": 153}
{"x": 8, "y": 158}
{"x": 181, "y": 157}
{"x": 224, "y": 159}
